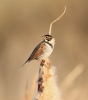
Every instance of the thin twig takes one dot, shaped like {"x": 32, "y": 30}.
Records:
{"x": 56, "y": 20}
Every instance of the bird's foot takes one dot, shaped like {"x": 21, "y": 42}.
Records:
{"x": 45, "y": 63}
{"x": 42, "y": 63}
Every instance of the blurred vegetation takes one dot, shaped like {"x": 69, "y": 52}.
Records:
{"x": 22, "y": 23}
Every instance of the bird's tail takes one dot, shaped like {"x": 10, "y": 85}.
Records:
{"x": 23, "y": 65}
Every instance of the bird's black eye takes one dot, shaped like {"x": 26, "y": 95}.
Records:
{"x": 47, "y": 38}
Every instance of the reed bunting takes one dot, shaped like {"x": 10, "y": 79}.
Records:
{"x": 42, "y": 51}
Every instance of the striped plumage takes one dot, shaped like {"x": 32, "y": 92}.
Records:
{"x": 43, "y": 50}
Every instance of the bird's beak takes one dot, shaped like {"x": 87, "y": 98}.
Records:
{"x": 43, "y": 37}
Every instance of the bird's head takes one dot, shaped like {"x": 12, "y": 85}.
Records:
{"x": 49, "y": 38}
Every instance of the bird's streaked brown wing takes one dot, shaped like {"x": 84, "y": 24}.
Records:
{"x": 37, "y": 51}
{"x": 35, "y": 54}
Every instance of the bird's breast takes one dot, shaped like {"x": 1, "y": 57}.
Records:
{"x": 47, "y": 50}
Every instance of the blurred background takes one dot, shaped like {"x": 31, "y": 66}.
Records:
{"x": 22, "y": 23}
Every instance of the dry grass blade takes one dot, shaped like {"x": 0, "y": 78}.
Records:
{"x": 72, "y": 76}
{"x": 56, "y": 20}
{"x": 33, "y": 87}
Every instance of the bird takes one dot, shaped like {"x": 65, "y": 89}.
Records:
{"x": 43, "y": 50}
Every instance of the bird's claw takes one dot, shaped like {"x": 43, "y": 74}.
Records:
{"x": 45, "y": 63}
